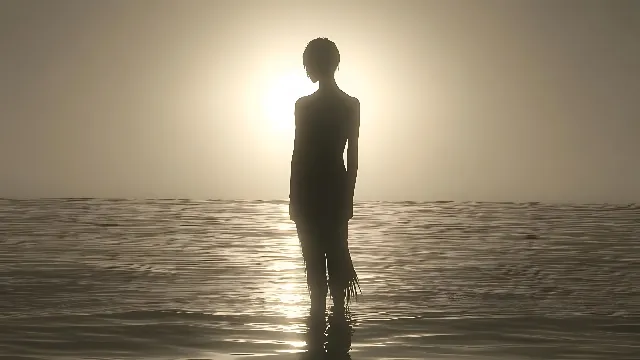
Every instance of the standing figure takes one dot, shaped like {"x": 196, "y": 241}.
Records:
{"x": 322, "y": 188}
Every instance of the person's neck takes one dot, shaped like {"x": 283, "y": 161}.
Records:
{"x": 327, "y": 84}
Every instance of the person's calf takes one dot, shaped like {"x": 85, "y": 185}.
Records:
{"x": 318, "y": 302}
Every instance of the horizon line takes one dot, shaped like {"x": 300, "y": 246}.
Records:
{"x": 82, "y": 198}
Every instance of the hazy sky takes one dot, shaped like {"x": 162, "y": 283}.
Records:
{"x": 461, "y": 100}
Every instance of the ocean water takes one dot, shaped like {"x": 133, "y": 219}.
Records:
{"x": 179, "y": 279}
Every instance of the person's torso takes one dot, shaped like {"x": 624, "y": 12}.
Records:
{"x": 322, "y": 128}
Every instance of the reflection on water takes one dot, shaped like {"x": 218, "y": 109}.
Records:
{"x": 179, "y": 279}
{"x": 328, "y": 338}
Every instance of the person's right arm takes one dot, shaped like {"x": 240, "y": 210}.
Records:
{"x": 352, "y": 149}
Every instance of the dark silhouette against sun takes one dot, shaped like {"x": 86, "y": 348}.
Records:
{"x": 321, "y": 186}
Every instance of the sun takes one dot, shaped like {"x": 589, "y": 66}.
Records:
{"x": 280, "y": 98}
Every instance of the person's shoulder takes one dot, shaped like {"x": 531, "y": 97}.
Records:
{"x": 300, "y": 110}
{"x": 355, "y": 102}
{"x": 351, "y": 100}
{"x": 303, "y": 101}
{"x": 353, "y": 106}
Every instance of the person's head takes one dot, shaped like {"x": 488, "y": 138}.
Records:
{"x": 321, "y": 58}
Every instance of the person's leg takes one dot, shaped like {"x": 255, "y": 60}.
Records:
{"x": 339, "y": 333}
{"x": 315, "y": 266}
{"x": 338, "y": 264}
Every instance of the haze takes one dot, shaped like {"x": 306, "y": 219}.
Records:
{"x": 461, "y": 100}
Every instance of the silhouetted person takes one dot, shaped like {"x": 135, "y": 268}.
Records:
{"x": 322, "y": 188}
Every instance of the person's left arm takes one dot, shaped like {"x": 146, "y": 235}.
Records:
{"x": 295, "y": 158}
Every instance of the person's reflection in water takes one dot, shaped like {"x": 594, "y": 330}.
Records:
{"x": 321, "y": 188}
{"x": 337, "y": 340}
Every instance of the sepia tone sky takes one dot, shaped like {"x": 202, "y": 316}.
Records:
{"x": 488, "y": 100}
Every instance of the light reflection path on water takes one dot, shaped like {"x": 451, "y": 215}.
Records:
{"x": 283, "y": 285}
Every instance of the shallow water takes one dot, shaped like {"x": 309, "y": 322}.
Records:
{"x": 174, "y": 279}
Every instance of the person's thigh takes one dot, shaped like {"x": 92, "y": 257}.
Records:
{"x": 311, "y": 238}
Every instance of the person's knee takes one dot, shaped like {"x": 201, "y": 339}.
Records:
{"x": 316, "y": 277}
{"x": 316, "y": 271}
{"x": 318, "y": 287}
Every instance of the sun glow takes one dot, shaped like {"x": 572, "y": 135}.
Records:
{"x": 281, "y": 96}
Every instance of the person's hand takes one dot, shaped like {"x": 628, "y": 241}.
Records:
{"x": 348, "y": 207}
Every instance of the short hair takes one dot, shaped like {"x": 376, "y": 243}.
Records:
{"x": 322, "y": 56}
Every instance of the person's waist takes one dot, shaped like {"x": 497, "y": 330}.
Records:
{"x": 321, "y": 169}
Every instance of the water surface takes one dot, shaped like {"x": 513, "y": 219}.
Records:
{"x": 177, "y": 279}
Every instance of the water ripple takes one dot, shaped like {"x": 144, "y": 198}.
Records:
{"x": 179, "y": 278}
